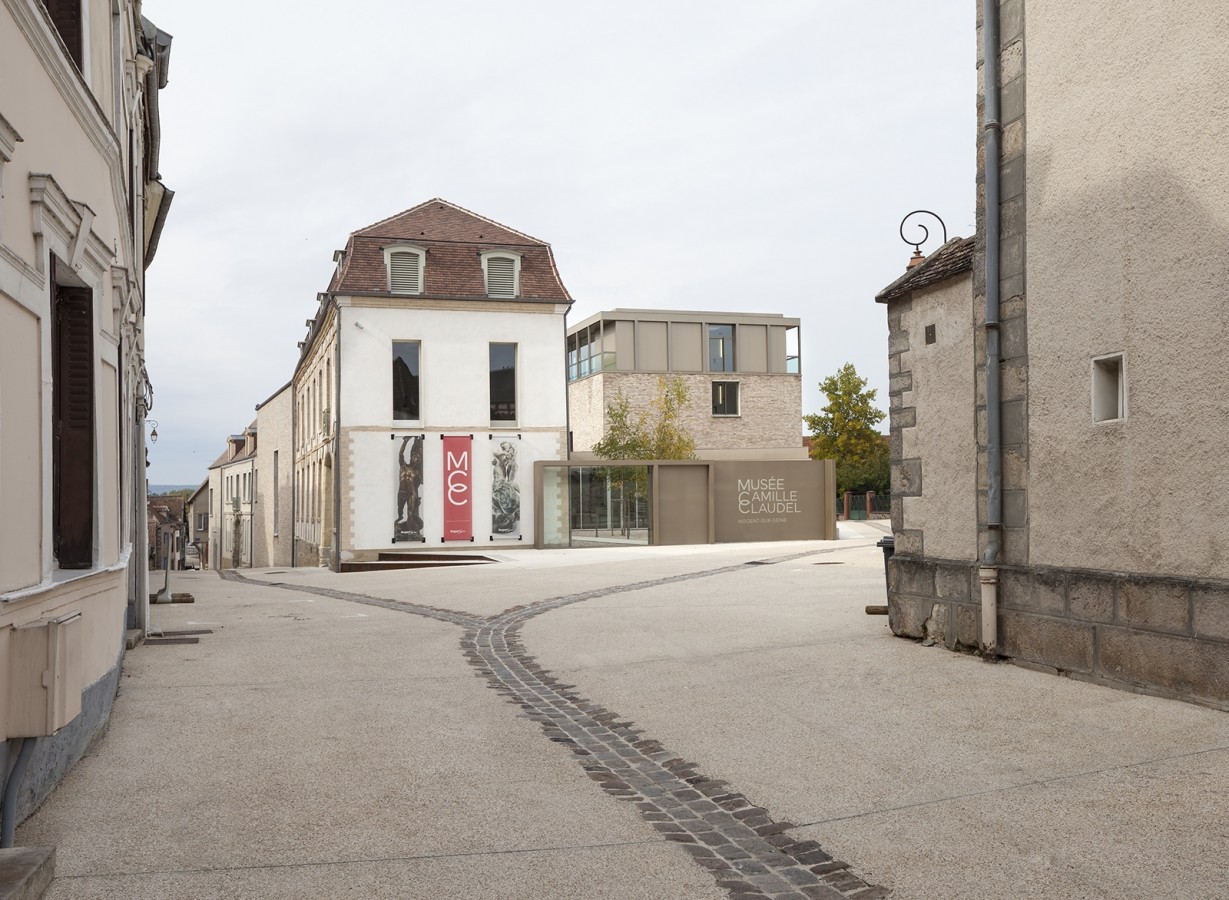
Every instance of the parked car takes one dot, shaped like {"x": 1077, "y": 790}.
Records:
{"x": 192, "y": 557}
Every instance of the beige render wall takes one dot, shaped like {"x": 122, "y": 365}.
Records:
{"x": 770, "y": 411}
{"x": 943, "y": 436}
{"x": 54, "y": 141}
{"x": 273, "y": 538}
{"x": 1127, "y": 230}
{"x": 21, "y": 526}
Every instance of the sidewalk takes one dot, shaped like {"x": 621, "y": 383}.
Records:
{"x": 317, "y": 746}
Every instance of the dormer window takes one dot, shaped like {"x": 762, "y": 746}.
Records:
{"x": 405, "y": 269}
{"x": 502, "y": 272}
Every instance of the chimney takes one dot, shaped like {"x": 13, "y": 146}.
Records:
{"x": 915, "y": 260}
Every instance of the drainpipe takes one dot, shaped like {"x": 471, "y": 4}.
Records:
{"x": 988, "y": 571}
{"x": 8, "y": 824}
{"x": 335, "y": 413}
{"x": 252, "y": 508}
{"x": 567, "y": 393}
{"x": 294, "y": 466}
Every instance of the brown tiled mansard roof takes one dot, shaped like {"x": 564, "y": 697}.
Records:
{"x": 953, "y": 258}
{"x": 453, "y": 238}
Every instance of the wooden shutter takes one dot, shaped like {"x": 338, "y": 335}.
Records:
{"x": 73, "y": 427}
{"x": 66, "y": 16}
{"x": 501, "y": 276}
{"x": 404, "y": 273}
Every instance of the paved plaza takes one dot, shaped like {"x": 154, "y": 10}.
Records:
{"x": 627, "y": 722}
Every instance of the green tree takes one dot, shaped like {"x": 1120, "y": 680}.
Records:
{"x": 654, "y": 433}
{"x": 846, "y": 431}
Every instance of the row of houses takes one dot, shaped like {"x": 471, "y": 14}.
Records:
{"x": 439, "y": 368}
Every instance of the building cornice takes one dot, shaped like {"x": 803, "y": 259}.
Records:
{"x": 70, "y": 225}
{"x": 9, "y": 139}
{"x": 419, "y": 302}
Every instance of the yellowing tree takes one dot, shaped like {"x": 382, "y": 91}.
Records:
{"x": 654, "y": 433}
{"x": 846, "y": 431}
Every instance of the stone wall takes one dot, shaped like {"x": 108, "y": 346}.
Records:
{"x": 1154, "y": 634}
{"x": 931, "y": 421}
{"x": 1013, "y": 331}
{"x": 1105, "y": 574}
{"x": 770, "y": 409}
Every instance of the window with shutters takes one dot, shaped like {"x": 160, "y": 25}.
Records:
{"x": 72, "y": 401}
{"x": 66, "y": 16}
{"x": 405, "y": 269}
{"x": 502, "y": 272}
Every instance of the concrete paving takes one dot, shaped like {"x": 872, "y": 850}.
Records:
{"x": 311, "y": 746}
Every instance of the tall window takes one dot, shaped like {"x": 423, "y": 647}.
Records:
{"x": 503, "y": 382}
{"x": 721, "y": 348}
{"x": 72, "y": 410}
{"x": 405, "y": 379}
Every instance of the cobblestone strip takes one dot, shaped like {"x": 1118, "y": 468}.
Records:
{"x": 750, "y": 854}
{"x": 418, "y": 609}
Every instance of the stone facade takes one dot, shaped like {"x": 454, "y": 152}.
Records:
{"x": 629, "y": 352}
{"x": 1154, "y": 634}
{"x": 769, "y": 410}
{"x": 1105, "y": 574}
{"x": 271, "y": 516}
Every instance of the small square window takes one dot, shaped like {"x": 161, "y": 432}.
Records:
{"x": 725, "y": 398}
{"x": 1109, "y": 388}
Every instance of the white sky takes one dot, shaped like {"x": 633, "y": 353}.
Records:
{"x": 688, "y": 155}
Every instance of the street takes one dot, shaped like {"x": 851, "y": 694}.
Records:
{"x": 640, "y": 722}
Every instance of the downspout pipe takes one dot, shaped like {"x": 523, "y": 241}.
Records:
{"x": 8, "y": 824}
{"x": 294, "y": 467}
{"x": 335, "y": 413}
{"x": 988, "y": 571}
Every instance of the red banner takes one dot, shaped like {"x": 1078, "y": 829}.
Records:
{"x": 458, "y": 510}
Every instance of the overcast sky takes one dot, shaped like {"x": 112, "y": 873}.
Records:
{"x": 688, "y": 155}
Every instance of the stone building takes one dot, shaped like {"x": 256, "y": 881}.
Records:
{"x": 81, "y": 210}
{"x": 1056, "y": 414}
{"x": 272, "y": 472}
{"x": 233, "y": 485}
{"x": 197, "y": 516}
{"x": 741, "y": 371}
{"x": 429, "y": 382}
